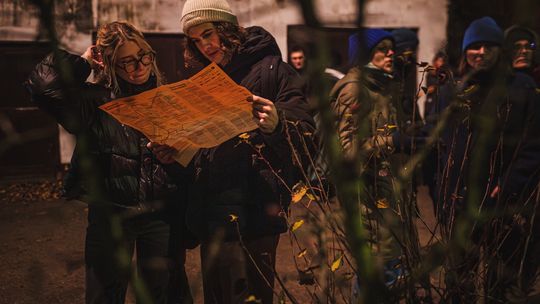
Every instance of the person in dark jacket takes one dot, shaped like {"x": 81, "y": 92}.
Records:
{"x": 521, "y": 44}
{"x": 297, "y": 59}
{"x": 437, "y": 76}
{"x": 491, "y": 162}
{"x": 239, "y": 204}
{"x": 405, "y": 71}
{"x": 133, "y": 199}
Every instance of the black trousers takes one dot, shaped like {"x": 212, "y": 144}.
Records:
{"x": 229, "y": 272}
{"x": 110, "y": 243}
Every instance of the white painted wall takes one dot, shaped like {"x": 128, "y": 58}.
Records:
{"x": 429, "y": 16}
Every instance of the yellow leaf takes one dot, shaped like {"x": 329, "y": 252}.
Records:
{"x": 298, "y": 192}
{"x": 302, "y": 253}
{"x": 297, "y": 225}
{"x": 337, "y": 263}
{"x": 382, "y": 204}
{"x": 233, "y": 218}
{"x": 244, "y": 136}
{"x": 470, "y": 89}
{"x": 311, "y": 196}
{"x": 252, "y": 299}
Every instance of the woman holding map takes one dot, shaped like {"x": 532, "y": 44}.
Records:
{"x": 131, "y": 195}
{"x": 238, "y": 202}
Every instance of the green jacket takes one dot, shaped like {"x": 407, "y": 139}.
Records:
{"x": 366, "y": 116}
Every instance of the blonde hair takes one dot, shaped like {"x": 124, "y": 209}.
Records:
{"x": 110, "y": 37}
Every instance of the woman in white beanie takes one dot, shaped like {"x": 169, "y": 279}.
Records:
{"x": 232, "y": 178}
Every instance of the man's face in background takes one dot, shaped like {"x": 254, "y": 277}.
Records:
{"x": 298, "y": 60}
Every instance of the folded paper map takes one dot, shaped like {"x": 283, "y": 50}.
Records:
{"x": 201, "y": 112}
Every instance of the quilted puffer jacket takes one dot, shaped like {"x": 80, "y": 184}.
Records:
{"x": 115, "y": 164}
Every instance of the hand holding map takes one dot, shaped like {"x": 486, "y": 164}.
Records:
{"x": 201, "y": 112}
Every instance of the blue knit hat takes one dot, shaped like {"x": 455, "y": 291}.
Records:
{"x": 484, "y": 29}
{"x": 405, "y": 39}
{"x": 371, "y": 37}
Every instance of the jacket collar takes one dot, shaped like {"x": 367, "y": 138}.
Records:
{"x": 376, "y": 79}
{"x": 258, "y": 45}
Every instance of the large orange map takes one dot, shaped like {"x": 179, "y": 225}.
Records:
{"x": 201, "y": 112}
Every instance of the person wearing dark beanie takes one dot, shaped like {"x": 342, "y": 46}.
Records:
{"x": 367, "y": 38}
{"x": 481, "y": 47}
{"x": 484, "y": 29}
{"x": 521, "y": 43}
{"x": 406, "y": 40}
{"x": 365, "y": 100}
{"x": 405, "y": 71}
{"x": 491, "y": 161}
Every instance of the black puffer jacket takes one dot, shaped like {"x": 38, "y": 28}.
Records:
{"x": 232, "y": 178}
{"x": 127, "y": 173}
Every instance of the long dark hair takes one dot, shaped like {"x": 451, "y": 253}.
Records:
{"x": 232, "y": 36}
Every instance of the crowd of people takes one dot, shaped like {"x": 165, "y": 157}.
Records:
{"x": 477, "y": 133}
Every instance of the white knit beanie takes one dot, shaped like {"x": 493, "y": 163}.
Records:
{"x": 196, "y": 12}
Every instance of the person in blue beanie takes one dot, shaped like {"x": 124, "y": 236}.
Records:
{"x": 481, "y": 46}
{"x": 367, "y": 125}
{"x": 406, "y": 45}
{"x": 406, "y": 49}
{"x": 405, "y": 72}
{"x": 492, "y": 162}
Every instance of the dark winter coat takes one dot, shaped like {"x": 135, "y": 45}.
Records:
{"x": 127, "y": 173}
{"x": 507, "y": 154}
{"x": 233, "y": 178}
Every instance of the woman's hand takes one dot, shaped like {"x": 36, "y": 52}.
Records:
{"x": 93, "y": 57}
{"x": 264, "y": 113}
{"x": 164, "y": 153}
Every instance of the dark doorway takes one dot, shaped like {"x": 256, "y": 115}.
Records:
{"x": 36, "y": 154}
{"x": 29, "y": 138}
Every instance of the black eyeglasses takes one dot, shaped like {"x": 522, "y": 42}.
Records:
{"x": 130, "y": 66}
{"x": 531, "y": 46}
